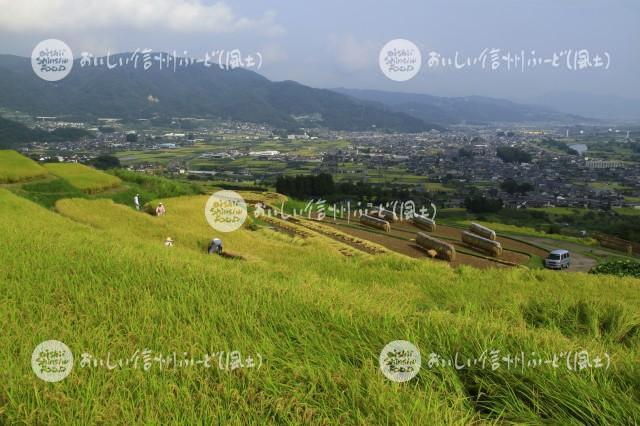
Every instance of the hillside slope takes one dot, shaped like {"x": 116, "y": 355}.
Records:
{"x": 96, "y": 276}
{"x": 193, "y": 91}
{"x": 16, "y": 168}
{"x": 453, "y": 110}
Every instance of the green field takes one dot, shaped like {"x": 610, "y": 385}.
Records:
{"x": 559, "y": 211}
{"x": 95, "y": 274}
{"x": 628, "y": 211}
{"x": 608, "y": 186}
{"x": 191, "y": 154}
{"x": 83, "y": 177}
{"x": 16, "y": 168}
{"x": 437, "y": 187}
{"x": 105, "y": 284}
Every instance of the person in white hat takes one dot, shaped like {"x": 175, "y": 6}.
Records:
{"x": 168, "y": 242}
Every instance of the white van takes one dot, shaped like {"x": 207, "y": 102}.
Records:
{"x": 558, "y": 259}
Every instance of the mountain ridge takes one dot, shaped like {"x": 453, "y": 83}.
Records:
{"x": 457, "y": 110}
{"x": 237, "y": 94}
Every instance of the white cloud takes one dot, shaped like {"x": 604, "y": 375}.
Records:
{"x": 188, "y": 16}
{"x": 351, "y": 54}
{"x": 273, "y": 53}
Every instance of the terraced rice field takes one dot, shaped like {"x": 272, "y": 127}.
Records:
{"x": 18, "y": 168}
{"x": 402, "y": 234}
{"x": 82, "y": 177}
{"x": 97, "y": 276}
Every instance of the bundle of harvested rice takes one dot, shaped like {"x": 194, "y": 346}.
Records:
{"x": 387, "y": 215}
{"x": 375, "y": 222}
{"x": 425, "y": 223}
{"x": 483, "y": 231}
{"x": 444, "y": 250}
{"x": 494, "y": 248}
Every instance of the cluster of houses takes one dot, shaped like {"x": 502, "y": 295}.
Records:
{"x": 470, "y": 163}
{"x": 462, "y": 158}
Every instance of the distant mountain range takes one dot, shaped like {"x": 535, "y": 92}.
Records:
{"x": 243, "y": 95}
{"x": 455, "y": 110}
{"x": 193, "y": 91}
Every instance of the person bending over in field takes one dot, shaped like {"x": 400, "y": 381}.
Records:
{"x": 215, "y": 246}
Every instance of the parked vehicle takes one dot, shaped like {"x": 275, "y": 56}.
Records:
{"x": 558, "y": 259}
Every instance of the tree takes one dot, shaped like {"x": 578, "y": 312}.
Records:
{"x": 132, "y": 137}
{"x": 512, "y": 187}
{"x": 104, "y": 162}
{"x": 465, "y": 152}
{"x": 301, "y": 186}
{"x": 513, "y": 155}
{"x": 482, "y": 204}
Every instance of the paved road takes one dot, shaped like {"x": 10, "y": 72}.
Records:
{"x": 579, "y": 261}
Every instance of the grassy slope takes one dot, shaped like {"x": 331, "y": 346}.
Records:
{"x": 47, "y": 191}
{"x": 83, "y": 177}
{"x": 16, "y": 168}
{"x": 319, "y": 319}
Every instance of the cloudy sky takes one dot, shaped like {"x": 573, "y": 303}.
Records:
{"x": 333, "y": 43}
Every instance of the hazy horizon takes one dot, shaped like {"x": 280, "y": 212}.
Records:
{"x": 319, "y": 45}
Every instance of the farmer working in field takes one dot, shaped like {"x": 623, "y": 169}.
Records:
{"x": 215, "y": 246}
{"x": 160, "y": 210}
{"x": 136, "y": 201}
